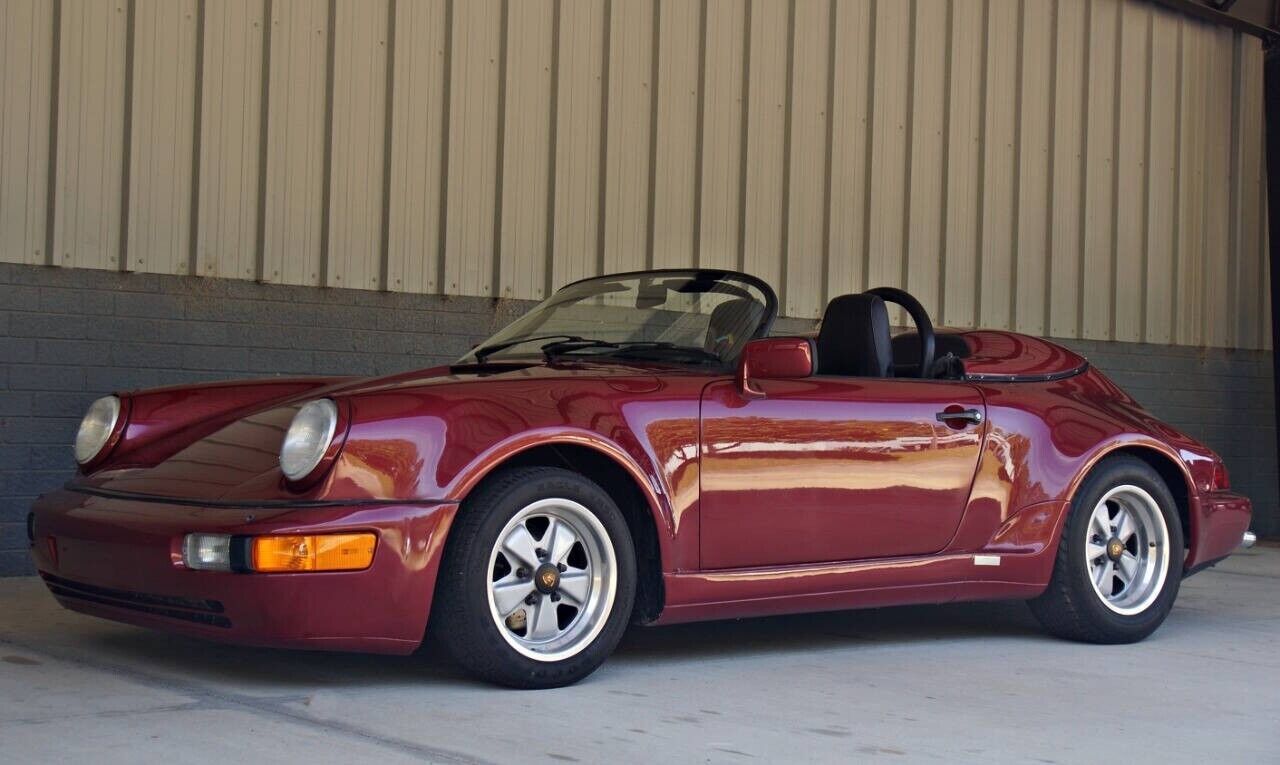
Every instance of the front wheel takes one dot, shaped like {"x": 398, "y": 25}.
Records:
{"x": 1119, "y": 560}
{"x": 538, "y": 579}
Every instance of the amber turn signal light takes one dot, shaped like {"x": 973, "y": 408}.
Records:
{"x": 312, "y": 552}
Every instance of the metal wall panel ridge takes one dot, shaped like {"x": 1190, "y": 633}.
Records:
{"x": 1073, "y": 168}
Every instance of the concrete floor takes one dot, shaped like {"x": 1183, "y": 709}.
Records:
{"x": 968, "y": 683}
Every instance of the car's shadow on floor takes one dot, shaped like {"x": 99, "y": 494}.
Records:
{"x": 273, "y": 672}
{"x": 802, "y": 633}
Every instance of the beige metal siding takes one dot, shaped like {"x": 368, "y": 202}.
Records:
{"x": 1075, "y": 168}
{"x": 294, "y": 214}
{"x": 230, "y": 132}
{"x": 162, "y": 135}
{"x": 89, "y": 176}
{"x": 26, "y": 66}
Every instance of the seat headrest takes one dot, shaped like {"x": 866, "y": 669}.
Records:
{"x": 854, "y": 339}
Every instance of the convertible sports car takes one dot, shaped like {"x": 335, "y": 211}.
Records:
{"x": 637, "y": 449}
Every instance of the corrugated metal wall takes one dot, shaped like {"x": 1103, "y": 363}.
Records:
{"x": 1075, "y": 168}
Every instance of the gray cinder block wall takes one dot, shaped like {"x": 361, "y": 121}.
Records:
{"x": 68, "y": 336}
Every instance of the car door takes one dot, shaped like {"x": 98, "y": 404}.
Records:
{"x": 835, "y": 469}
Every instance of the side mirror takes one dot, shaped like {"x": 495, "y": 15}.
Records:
{"x": 773, "y": 358}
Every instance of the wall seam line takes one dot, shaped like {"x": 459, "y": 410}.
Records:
{"x": 499, "y": 169}
{"x": 264, "y": 108}
{"x": 1117, "y": 91}
{"x": 1050, "y": 187}
{"x": 945, "y": 213}
{"x": 553, "y": 132}
{"x": 744, "y": 147}
{"x": 907, "y": 149}
{"x": 829, "y": 138}
{"x": 326, "y": 172}
{"x": 1015, "y": 218}
{"x": 446, "y": 103}
{"x": 698, "y": 167}
{"x": 1083, "y": 222}
{"x": 655, "y": 53}
{"x": 602, "y": 185}
{"x": 55, "y": 88}
{"x": 1235, "y": 179}
{"x": 388, "y": 117}
{"x": 979, "y": 260}
{"x": 784, "y": 234}
{"x": 126, "y": 153}
{"x": 869, "y": 147}
{"x": 197, "y": 126}
{"x": 1146, "y": 183}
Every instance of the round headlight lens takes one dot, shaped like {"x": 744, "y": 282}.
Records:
{"x": 308, "y": 438}
{"x": 96, "y": 428}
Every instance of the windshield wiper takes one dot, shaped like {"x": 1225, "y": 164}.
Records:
{"x": 566, "y": 347}
{"x": 485, "y": 351}
{"x": 563, "y": 347}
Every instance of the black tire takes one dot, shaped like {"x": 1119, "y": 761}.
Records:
{"x": 461, "y": 620}
{"x": 1070, "y": 607}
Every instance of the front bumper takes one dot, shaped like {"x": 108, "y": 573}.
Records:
{"x": 122, "y": 560}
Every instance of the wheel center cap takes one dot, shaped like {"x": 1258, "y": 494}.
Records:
{"x": 546, "y": 578}
{"x": 1115, "y": 548}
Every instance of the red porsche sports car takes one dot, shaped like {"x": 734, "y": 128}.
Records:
{"x": 637, "y": 448}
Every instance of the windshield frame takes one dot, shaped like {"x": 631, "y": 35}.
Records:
{"x": 767, "y": 319}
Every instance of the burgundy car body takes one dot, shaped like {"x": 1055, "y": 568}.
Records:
{"x": 797, "y": 494}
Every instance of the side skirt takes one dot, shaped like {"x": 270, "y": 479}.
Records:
{"x": 737, "y": 593}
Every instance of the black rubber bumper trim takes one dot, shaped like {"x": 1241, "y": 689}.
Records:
{"x": 198, "y": 610}
{"x": 1027, "y": 378}
{"x": 249, "y": 504}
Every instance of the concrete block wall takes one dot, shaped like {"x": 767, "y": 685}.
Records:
{"x": 68, "y": 336}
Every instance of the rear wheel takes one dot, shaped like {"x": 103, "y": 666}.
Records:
{"x": 1119, "y": 560}
{"x": 538, "y": 579}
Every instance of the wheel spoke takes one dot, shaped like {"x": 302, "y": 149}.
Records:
{"x": 1125, "y": 527}
{"x": 520, "y": 544}
{"x": 1093, "y": 550}
{"x": 1102, "y": 574}
{"x": 575, "y": 585}
{"x": 1127, "y": 567}
{"x": 543, "y": 624}
{"x": 509, "y": 592}
{"x": 559, "y": 540}
{"x": 1101, "y": 521}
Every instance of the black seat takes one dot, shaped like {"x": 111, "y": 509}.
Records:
{"x": 854, "y": 339}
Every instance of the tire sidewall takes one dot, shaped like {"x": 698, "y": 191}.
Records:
{"x": 466, "y": 573}
{"x": 1108, "y": 476}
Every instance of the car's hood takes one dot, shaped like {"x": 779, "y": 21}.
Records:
{"x": 239, "y": 462}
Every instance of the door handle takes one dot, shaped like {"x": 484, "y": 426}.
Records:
{"x": 971, "y": 416}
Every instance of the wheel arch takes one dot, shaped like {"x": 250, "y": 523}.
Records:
{"x": 1175, "y": 475}
{"x": 618, "y": 476}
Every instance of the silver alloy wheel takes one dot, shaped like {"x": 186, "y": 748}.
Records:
{"x": 1127, "y": 550}
{"x": 552, "y": 579}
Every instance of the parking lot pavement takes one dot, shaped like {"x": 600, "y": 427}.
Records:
{"x": 965, "y": 682}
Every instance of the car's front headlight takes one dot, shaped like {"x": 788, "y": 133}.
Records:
{"x": 308, "y": 438}
{"x": 96, "y": 428}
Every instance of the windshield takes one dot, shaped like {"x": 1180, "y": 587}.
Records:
{"x": 697, "y": 317}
